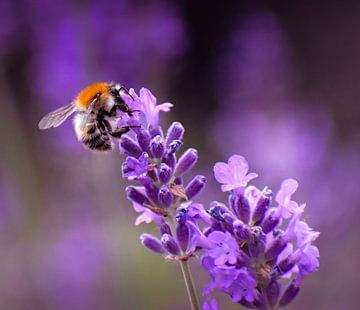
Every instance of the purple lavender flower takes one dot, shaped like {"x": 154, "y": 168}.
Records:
{"x": 233, "y": 174}
{"x": 253, "y": 245}
{"x": 255, "y": 251}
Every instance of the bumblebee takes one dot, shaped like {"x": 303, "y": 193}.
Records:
{"x": 96, "y": 109}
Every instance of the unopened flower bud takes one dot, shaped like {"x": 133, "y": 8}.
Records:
{"x": 273, "y": 292}
{"x": 152, "y": 243}
{"x": 144, "y": 138}
{"x": 241, "y": 207}
{"x": 165, "y": 228}
{"x": 174, "y": 146}
{"x": 134, "y": 194}
{"x": 165, "y": 173}
{"x": 241, "y": 231}
{"x": 290, "y": 293}
{"x": 129, "y": 147}
{"x": 262, "y": 205}
{"x": 170, "y": 244}
{"x": 186, "y": 162}
{"x": 157, "y": 146}
{"x": 170, "y": 160}
{"x": 270, "y": 222}
{"x": 182, "y": 235}
{"x": 257, "y": 243}
{"x": 150, "y": 188}
{"x": 175, "y": 132}
{"x": 276, "y": 247}
{"x": 165, "y": 197}
{"x": 195, "y": 186}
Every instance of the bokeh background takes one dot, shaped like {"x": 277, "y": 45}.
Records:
{"x": 275, "y": 81}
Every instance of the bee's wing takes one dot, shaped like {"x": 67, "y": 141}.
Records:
{"x": 57, "y": 117}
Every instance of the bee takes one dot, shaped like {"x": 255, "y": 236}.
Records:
{"x": 96, "y": 109}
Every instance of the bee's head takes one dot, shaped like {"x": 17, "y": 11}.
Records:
{"x": 117, "y": 90}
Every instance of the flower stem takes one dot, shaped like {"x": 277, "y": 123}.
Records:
{"x": 189, "y": 285}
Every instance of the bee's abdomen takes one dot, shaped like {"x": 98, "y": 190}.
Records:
{"x": 97, "y": 141}
{"x": 91, "y": 135}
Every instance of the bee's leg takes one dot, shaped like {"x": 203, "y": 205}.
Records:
{"x": 124, "y": 108}
{"x": 120, "y": 131}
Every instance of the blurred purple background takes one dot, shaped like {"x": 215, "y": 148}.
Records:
{"x": 269, "y": 80}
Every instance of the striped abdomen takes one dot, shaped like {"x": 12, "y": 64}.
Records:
{"x": 88, "y": 132}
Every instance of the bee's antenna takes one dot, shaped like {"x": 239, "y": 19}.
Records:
{"x": 126, "y": 92}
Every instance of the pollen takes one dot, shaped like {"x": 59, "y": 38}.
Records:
{"x": 87, "y": 95}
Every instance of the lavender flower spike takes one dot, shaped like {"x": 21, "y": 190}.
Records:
{"x": 256, "y": 250}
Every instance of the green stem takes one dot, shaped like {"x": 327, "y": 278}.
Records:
{"x": 189, "y": 285}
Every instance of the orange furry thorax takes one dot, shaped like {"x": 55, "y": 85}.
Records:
{"x": 87, "y": 95}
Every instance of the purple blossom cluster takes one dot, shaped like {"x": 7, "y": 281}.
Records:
{"x": 255, "y": 249}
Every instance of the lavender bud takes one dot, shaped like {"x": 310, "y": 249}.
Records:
{"x": 155, "y": 131}
{"x": 241, "y": 207}
{"x": 129, "y": 147}
{"x": 174, "y": 146}
{"x": 290, "y": 293}
{"x": 165, "y": 229}
{"x": 288, "y": 263}
{"x": 217, "y": 210}
{"x": 170, "y": 160}
{"x": 271, "y": 221}
{"x": 165, "y": 197}
{"x": 257, "y": 242}
{"x": 135, "y": 195}
{"x": 150, "y": 188}
{"x": 165, "y": 173}
{"x": 273, "y": 293}
{"x": 181, "y": 215}
{"x": 195, "y": 186}
{"x": 182, "y": 235}
{"x": 277, "y": 246}
{"x": 186, "y": 162}
{"x": 157, "y": 146}
{"x": 175, "y": 132}
{"x": 241, "y": 231}
{"x": 152, "y": 243}
{"x": 262, "y": 205}
{"x": 170, "y": 244}
{"x": 144, "y": 138}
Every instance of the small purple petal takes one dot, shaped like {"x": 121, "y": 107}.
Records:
{"x": 233, "y": 174}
